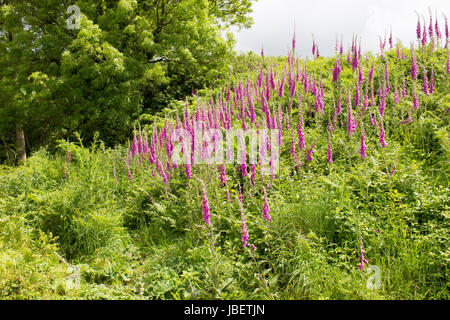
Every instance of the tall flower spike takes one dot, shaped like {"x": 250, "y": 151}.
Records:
{"x": 140, "y": 143}
{"x": 382, "y": 134}
{"x": 418, "y": 29}
{"x": 363, "y": 260}
{"x": 431, "y": 87}
{"x": 330, "y": 152}
{"x": 245, "y": 235}
{"x": 134, "y": 147}
{"x": 309, "y": 153}
{"x": 363, "y": 145}
{"x": 425, "y": 82}
{"x": 266, "y": 208}
{"x": 205, "y": 207}
{"x": 415, "y": 100}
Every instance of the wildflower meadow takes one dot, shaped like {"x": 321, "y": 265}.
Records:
{"x": 283, "y": 178}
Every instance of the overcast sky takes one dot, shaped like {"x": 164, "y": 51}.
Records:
{"x": 273, "y": 26}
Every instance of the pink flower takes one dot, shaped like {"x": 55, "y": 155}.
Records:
{"x": 337, "y": 69}
{"x": 223, "y": 177}
{"x": 415, "y": 100}
{"x": 205, "y": 207}
{"x": 134, "y": 147}
{"x": 301, "y": 135}
{"x": 431, "y": 88}
{"x": 425, "y": 82}
{"x": 363, "y": 260}
{"x": 309, "y": 153}
{"x": 140, "y": 144}
{"x": 382, "y": 134}
{"x": 363, "y": 145}
{"x": 253, "y": 171}
{"x": 418, "y": 29}
{"x": 266, "y": 208}
{"x": 330, "y": 153}
{"x": 127, "y": 165}
{"x": 245, "y": 236}
{"x": 292, "y": 146}
{"x": 240, "y": 193}
{"x": 187, "y": 170}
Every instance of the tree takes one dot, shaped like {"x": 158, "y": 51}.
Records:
{"x": 128, "y": 57}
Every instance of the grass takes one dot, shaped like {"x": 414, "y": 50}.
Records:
{"x": 144, "y": 239}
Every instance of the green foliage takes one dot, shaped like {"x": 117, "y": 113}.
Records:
{"x": 127, "y": 57}
{"x": 146, "y": 239}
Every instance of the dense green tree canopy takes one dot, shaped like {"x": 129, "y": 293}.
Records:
{"x": 126, "y": 58}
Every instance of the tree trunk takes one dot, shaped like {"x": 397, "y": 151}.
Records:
{"x": 20, "y": 139}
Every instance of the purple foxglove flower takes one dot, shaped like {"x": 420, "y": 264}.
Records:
{"x": 301, "y": 135}
{"x": 373, "y": 120}
{"x": 223, "y": 176}
{"x": 365, "y": 102}
{"x": 446, "y": 32}
{"x": 355, "y": 61}
{"x": 418, "y": 29}
{"x": 245, "y": 236}
{"x": 253, "y": 175}
{"x": 163, "y": 176}
{"x": 431, "y": 88}
{"x": 127, "y": 165}
{"x": 425, "y": 82}
{"x": 391, "y": 44}
{"x": 437, "y": 30}
{"x": 382, "y": 134}
{"x": 382, "y": 106}
{"x": 330, "y": 127}
{"x": 363, "y": 260}
{"x": 145, "y": 147}
{"x": 339, "y": 105}
{"x": 205, "y": 207}
{"x": 337, "y": 69}
{"x": 292, "y": 146}
{"x": 404, "y": 94}
{"x": 363, "y": 145}
{"x": 448, "y": 62}
{"x": 424, "y": 35}
{"x": 293, "y": 42}
{"x": 314, "y": 48}
{"x": 415, "y": 100}
{"x": 140, "y": 144}
{"x": 187, "y": 170}
{"x": 134, "y": 147}
{"x": 266, "y": 208}
{"x": 361, "y": 74}
{"x": 351, "y": 128}
{"x": 309, "y": 153}
{"x": 430, "y": 27}
{"x": 240, "y": 193}
{"x": 330, "y": 153}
